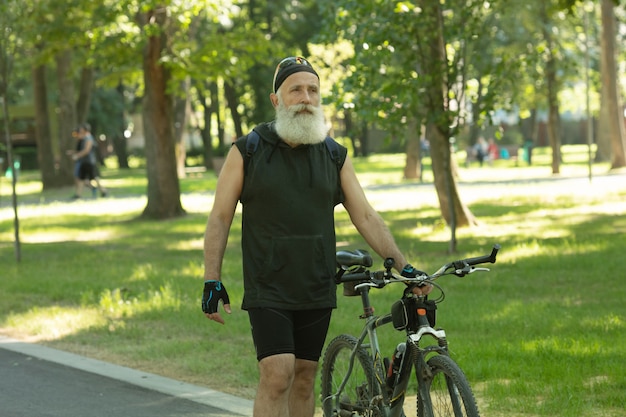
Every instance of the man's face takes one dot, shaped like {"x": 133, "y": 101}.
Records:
{"x": 299, "y": 88}
{"x": 299, "y": 115}
{"x": 78, "y": 134}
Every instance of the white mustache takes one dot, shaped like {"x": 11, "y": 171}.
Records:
{"x": 297, "y": 108}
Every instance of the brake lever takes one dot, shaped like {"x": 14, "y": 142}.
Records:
{"x": 474, "y": 269}
{"x": 374, "y": 283}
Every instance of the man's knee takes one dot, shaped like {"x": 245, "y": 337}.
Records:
{"x": 277, "y": 372}
{"x": 304, "y": 375}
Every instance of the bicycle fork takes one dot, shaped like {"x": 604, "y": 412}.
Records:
{"x": 415, "y": 357}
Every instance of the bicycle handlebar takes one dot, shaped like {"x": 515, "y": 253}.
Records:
{"x": 354, "y": 258}
{"x": 352, "y": 267}
{"x": 491, "y": 258}
{"x": 462, "y": 265}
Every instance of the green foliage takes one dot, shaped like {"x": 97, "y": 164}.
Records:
{"x": 388, "y": 75}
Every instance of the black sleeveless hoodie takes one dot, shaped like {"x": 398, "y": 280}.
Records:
{"x": 288, "y": 231}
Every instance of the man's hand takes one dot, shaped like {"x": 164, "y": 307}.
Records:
{"x": 409, "y": 271}
{"x": 214, "y": 291}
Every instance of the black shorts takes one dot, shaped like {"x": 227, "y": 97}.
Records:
{"x": 301, "y": 332}
{"x": 86, "y": 171}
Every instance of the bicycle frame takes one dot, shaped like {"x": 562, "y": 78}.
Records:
{"x": 418, "y": 358}
{"x": 391, "y": 406}
{"x": 372, "y": 322}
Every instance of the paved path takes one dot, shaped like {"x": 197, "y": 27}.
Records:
{"x": 36, "y": 381}
{"x": 475, "y": 185}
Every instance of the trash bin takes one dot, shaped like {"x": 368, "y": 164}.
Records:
{"x": 15, "y": 169}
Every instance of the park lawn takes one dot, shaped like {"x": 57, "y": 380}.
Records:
{"x": 542, "y": 334}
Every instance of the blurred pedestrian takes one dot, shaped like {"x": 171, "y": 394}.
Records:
{"x": 85, "y": 162}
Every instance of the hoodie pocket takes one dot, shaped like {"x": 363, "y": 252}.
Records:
{"x": 296, "y": 271}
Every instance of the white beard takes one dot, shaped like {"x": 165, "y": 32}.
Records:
{"x": 306, "y": 128}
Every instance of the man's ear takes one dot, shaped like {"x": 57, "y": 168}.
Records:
{"x": 274, "y": 99}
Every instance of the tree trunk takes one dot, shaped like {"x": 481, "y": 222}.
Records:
{"x": 180, "y": 122}
{"x": 603, "y": 136}
{"x": 453, "y": 210}
{"x": 84, "y": 94}
{"x": 5, "y": 82}
{"x": 614, "y": 110}
{"x": 350, "y": 131}
{"x": 554, "y": 122}
{"x": 120, "y": 146}
{"x": 233, "y": 103}
{"x": 413, "y": 167}
{"x": 215, "y": 109}
{"x": 434, "y": 63}
{"x": 67, "y": 116}
{"x": 163, "y": 186}
{"x": 364, "y": 143}
{"x": 476, "y": 109}
{"x": 43, "y": 134}
{"x": 205, "y": 132}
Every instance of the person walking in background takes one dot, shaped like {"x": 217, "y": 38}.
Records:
{"x": 424, "y": 153}
{"x": 96, "y": 161}
{"x": 480, "y": 150}
{"x": 84, "y": 157}
{"x": 288, "y": 186}
{"x": 493, "y": 152}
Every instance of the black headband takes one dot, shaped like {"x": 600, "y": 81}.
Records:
{"x": 289, "y": 66}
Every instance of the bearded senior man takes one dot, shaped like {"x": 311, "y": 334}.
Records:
{"x": 288, "y": 188}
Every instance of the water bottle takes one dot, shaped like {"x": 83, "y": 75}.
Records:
{"x": 394, "y": 365}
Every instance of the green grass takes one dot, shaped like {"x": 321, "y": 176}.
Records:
{"x": 542, "y": 334}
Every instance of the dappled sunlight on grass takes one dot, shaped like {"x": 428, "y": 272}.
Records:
{"x": 55, "y": 322}
{"x": 109, "y": 312}
{"x": 605, "y": 323}
{"x": 555, "y": 345}
{"x": 22, "y": 187}
{"x": 548, "y": 223}
{"x": 50, "y": 236}
{"x": 87, "y": 206}
{"x": 142, "y": 272}
{"x": 192, "y": 269}
{"x": 512, "y": 309}
{"x": 191, "y": 244}
{"x": 122, "y": 302}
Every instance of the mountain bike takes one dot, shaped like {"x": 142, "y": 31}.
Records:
{"x": 358, "y": 381}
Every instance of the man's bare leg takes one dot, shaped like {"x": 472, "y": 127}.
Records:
{"x": 78, "y": 187}
{"x": 302, "y": 394}
{"x": 276, "y": 375}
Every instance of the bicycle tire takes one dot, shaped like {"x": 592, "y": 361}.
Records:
{"x": 449, "y": 391}
{"x": 361, "y": 387}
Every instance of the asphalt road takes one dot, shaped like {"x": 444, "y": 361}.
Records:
{"x": 36, "y": 381}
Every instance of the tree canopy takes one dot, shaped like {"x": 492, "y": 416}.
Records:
{"x": 400, "y": 67}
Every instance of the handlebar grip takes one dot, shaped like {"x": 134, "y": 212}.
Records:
{"x": 491, "y": 258}
{"x": 358, "y": 257}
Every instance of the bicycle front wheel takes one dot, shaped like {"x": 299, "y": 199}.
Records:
{"x": 361, "y": 387}
{"x": 449, "y": 393}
